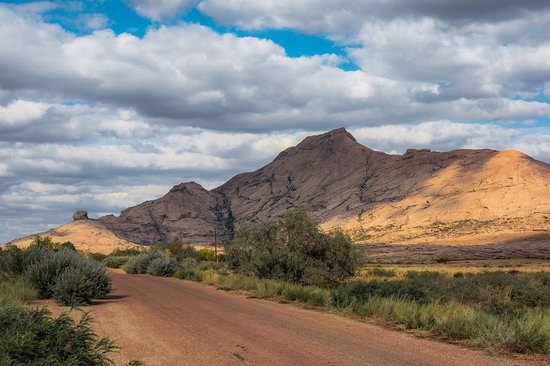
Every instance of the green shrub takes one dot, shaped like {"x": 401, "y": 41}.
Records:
{"x": 116, "y": 261}
{"x": 381, "y": 272}
{"x": 164, "y": 266}
{"x": 210, "y": 265}
{"x": 33, "y": 337}
{"x": 189, "y": 274}
{"x": 138, "y": 264}
{"x": 189, "y": 263}
{"x": 130, "y": 252}
{"x": 77, "y": 286}
{"x": 67, "y": 246}
{"x": 12, "y": 260}
{"x": 294, "y": 249}
{"x": 45, "y": 273}
{"x": 98, "y": 257}
{"x": 205, "y": 254}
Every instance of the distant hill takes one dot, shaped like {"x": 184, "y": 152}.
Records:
{"x": 86, "y": 235}
{"x": 422, "y": 196}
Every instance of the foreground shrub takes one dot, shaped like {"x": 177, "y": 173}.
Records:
{"x": 163, "y": 266}
{"x": 82, "y": 278}
{"x": 294, "y": 249}
{"x": 33, "y": 337}
{"x": 79, "y": 285}
{"x": 116, "y": 261}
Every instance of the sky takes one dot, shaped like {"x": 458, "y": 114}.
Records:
{"x": 107, "y": 103}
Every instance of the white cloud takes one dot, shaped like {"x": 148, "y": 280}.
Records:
{"x": 159, "y": 9}
{"x": 21, "y": 112}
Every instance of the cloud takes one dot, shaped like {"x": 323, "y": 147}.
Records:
{"x": 159, "y": 9}
{"x": 189, "y": 75}
{"x": 330, "y": 17}
{"x": 20, "y": 113}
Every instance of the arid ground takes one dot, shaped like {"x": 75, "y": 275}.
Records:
{"x": 166, "y": 321}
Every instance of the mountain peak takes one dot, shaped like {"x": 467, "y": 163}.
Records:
{"x": 338, "y": 139}
{"x": 339, "y": 135}
{"x": 189, "y": 186}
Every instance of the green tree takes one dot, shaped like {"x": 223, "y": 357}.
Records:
{"x": 292, "y": 249}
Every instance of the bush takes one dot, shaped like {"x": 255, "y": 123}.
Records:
{"x": 12, "y": 260}
{"x": 130, "y": 252}
{"x": 67, "y": 246}
{"x": 164, "y": 266}
{"x": 116, "y": 261}
{"x": 207, "y": 255}
{"x": 45, "y": 273}
{"x": 189, "y": 274}
{"x": 210, "y": 265}
{"x": 381, "y": 272}
{"x": 138, "y": 264}
{"x": 98, "y": 257}
{"x": 33, "y": 337}
{"x": 77, "y": 286}
{"x": 294, "y": 249}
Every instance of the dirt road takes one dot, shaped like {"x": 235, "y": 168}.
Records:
{"x": 166, "y": 321}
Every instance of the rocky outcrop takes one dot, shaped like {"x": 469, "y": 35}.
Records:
{"x": 376, "y": 197}
{"x": 80, "y": 215}
{"x": 188, "y": 212}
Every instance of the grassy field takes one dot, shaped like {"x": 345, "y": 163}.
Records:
{"x": 471, "y": 266}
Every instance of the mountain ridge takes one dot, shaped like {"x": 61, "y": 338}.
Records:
{"x": 421, "y": 196}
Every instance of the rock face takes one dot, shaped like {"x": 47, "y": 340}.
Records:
{"x": 419, "y": 196}
{"x": 80, "y": 215}
{"x": 187, "y": 211}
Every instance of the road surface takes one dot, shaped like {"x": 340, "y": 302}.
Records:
{"x": 167, "y": 321}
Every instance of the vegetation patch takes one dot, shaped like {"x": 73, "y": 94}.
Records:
{"x": 32, "y": 336}
{"x": 293, "y": 249}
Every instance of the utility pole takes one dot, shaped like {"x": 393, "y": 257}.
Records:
{"x": 216, "y": 244}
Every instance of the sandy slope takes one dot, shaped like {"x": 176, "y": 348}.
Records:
{"x": 166, "y": 321}
{"x": 86, "y": 235}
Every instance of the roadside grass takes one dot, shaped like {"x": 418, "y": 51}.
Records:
{"x": 507, "y": 311}
{"x": 16, "y": 290}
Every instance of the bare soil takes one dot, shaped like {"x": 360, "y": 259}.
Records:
{"x": 166, "y": 321}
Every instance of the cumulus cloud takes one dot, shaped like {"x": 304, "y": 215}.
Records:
{"x": 159, "y": 9}
{"x": 331, "y": 17}
{"x": 189, "y": 75}
{"x": 20, "y": 113}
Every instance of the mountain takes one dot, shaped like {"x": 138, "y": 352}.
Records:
{"x": 454, "y": 197}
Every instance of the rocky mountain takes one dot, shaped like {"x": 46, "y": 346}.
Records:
{"x": 455, "y": 197}
{"x": 419, "y": 196}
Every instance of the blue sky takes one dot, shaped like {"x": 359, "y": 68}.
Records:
{"x": 104, "y": 104}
